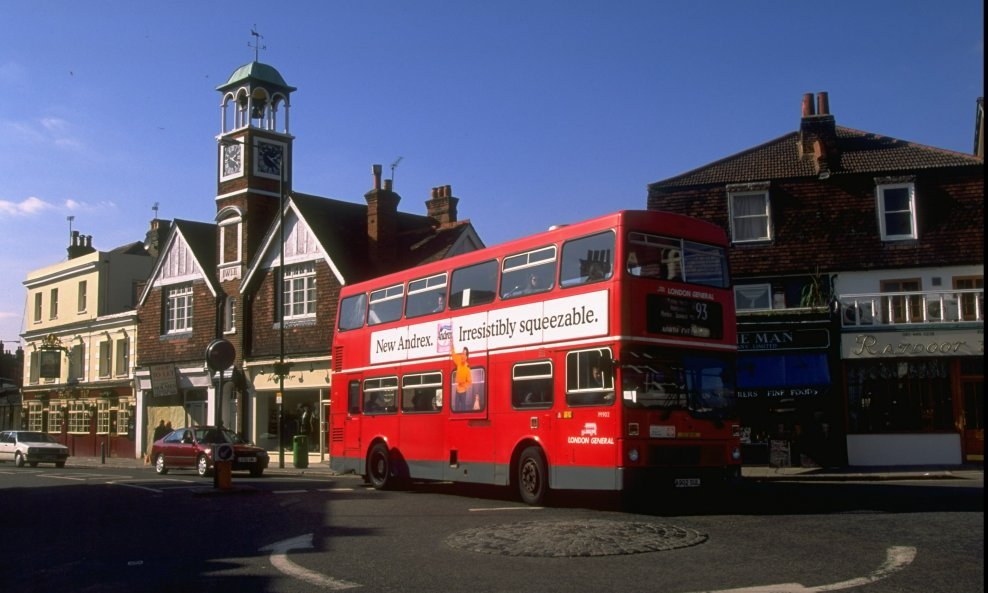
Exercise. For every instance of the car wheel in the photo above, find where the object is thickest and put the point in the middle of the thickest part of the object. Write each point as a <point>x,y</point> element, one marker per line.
<point>33,464</point>
<point>159,464</point>
<point>256,472</point>
<point>202,465</point>
<point>18,459</point>
<point>532,476</point>
<point>60,464</point>
<point>379,467</point>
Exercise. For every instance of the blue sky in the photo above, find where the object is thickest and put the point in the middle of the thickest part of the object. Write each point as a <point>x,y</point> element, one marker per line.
<point>536,112</point>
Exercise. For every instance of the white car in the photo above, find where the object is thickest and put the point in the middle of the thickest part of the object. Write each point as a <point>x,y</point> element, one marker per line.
<point>31,447</point>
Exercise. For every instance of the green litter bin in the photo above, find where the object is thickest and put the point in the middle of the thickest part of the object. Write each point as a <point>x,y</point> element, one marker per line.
<point>300,451</point>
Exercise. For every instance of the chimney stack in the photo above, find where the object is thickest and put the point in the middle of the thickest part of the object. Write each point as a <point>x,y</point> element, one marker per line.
<point>442,206</point>
<point>81,245</point>
<point>382,223</point>
<point>818,134</point>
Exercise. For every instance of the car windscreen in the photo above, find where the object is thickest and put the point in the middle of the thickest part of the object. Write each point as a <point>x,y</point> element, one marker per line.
<point>35,437</point>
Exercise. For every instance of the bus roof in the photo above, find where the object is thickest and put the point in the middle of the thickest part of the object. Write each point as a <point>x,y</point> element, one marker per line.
<point>675,225</point>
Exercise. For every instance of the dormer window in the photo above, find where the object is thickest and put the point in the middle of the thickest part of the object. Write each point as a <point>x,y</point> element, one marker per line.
<point>897,211</point>
<point>750,215</point>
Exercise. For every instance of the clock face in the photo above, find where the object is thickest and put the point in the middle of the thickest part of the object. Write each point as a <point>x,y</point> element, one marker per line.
<point>232,159</point>
<point>269,158</point>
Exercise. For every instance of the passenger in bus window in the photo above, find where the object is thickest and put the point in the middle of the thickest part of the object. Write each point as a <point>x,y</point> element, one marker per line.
<point>375,404</point>
<point>533,285</point>
<point>633,268</point>
<point>596,272</point>
<point>440,304</point>
<point>596,377</point>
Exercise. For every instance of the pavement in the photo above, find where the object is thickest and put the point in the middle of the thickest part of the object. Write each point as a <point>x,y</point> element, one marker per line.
<point>317,467</point>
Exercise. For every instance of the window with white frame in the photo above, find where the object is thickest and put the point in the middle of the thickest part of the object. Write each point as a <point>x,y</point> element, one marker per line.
<point>34,374</point>
<point>53,313</point>
<point>83,296</point>
<point>750,216</point>
<point>123,419</point>
<point>35,416</point>
<point>77,362</point>
<point>103,416</point>
<point>897,211</point>
<point>122,357</point>
<point>230,240</point>
<point>54,419</point>
<point>37,307</point>
<point>78,417</point>
<point>230,315</point>
<point>178,309</point>
<point>299,291</point>
<point>753,297</point>
<point>105,358</point>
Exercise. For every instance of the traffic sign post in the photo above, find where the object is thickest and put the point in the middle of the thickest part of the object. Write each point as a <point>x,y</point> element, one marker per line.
<point>222,465</point>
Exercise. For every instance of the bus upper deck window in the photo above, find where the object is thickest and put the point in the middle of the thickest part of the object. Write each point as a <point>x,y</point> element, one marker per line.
<point>587,259</point>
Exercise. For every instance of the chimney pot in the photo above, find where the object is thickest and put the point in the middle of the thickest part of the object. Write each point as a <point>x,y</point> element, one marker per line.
<point>807,104</point>
<point>387,184</point>
<point>447,191</point>
<point>377,176</point>
<point>822,104</point>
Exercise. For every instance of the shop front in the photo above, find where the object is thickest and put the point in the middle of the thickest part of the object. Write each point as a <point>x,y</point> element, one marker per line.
<point>790,414</point>
<point>914,397</point>
<point>300,409</point>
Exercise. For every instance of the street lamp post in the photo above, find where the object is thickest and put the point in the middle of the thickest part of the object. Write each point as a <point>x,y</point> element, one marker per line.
<point>282,371</point>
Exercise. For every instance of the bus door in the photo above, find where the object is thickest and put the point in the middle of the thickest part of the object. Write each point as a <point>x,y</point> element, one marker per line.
<point>469,439</point>
<point>423,424</point>
<point>351,422</point>
<point>589,436</point>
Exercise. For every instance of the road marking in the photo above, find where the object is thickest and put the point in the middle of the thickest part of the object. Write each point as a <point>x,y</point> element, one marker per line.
<point>83,477</point>
<point>482,510</point>
<point>337,489</point>
<point>288,491</point>
<point>279,559</point>
<point>896,558</point>
<point>136,486</point>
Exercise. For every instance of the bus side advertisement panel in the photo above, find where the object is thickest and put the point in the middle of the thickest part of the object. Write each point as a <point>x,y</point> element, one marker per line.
<point>578,316</point>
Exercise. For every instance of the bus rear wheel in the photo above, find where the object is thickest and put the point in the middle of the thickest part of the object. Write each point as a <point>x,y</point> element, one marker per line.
<point>379,470</point>
<point>532,476</point>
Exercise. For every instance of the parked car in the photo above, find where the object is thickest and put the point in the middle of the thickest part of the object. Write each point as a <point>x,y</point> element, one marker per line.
<point>192,448</point>
<point>32,448</point>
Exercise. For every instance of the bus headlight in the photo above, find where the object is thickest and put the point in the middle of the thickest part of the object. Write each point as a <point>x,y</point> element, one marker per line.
<point>633,454</point>
<point>736,454</point>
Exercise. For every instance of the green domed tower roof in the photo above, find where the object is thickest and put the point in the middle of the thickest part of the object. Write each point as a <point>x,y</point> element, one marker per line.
<point>257,72</point>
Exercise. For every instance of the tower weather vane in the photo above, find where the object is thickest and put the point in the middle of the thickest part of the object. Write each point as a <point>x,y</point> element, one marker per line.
<point>257,42</point>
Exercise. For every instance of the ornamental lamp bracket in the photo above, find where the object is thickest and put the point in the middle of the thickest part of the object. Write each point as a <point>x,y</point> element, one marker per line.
<point>51,342</point>
<point>282,369</point>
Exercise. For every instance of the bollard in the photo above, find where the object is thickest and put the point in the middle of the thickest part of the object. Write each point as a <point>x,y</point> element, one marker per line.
<point>102,452</point>
<point>221,472</point>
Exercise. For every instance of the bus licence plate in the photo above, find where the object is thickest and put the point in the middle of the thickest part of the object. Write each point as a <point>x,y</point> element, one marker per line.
<point>687,482</point>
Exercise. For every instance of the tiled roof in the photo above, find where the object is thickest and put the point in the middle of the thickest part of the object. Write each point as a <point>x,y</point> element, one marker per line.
<point>859,152</point>
<point>341,228</point>
<point>201,238</point>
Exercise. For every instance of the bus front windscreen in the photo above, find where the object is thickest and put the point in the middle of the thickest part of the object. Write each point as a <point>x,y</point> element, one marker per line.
<point>703,384</point>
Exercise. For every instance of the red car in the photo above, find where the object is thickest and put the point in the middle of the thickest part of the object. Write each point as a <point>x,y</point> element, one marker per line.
<point>192,447</point>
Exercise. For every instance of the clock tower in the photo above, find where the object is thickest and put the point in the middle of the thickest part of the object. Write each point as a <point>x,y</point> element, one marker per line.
<point>254,157</point>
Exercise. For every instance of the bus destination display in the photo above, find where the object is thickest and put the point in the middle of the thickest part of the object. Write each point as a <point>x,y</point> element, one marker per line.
<point>679,316</point>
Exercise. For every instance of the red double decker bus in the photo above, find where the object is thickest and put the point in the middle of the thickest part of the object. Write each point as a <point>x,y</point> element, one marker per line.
<point>591,356</point>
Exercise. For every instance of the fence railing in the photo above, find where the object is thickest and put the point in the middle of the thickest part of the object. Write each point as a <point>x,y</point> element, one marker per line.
<point>911,308</point>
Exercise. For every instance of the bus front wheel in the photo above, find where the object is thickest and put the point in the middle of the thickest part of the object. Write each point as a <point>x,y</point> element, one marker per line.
<point>532,476</point>
<point>379,467</point>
